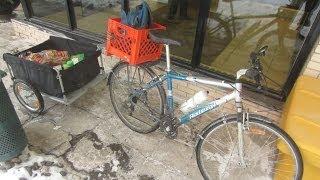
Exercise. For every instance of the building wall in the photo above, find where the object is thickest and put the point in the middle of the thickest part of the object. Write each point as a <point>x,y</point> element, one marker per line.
<point>312,66</point>
<point>35,33</point>
<point>182,90</point>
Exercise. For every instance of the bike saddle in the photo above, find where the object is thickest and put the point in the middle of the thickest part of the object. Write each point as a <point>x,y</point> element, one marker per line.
<point>159,40</point>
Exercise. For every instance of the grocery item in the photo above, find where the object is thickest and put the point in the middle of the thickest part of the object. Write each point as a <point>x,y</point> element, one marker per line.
<point>77,58</point>
<point>74,59</point>
<point>50,57</point>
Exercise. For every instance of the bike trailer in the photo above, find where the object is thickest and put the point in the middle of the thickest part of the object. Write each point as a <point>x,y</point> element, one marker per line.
<point>48,79</point>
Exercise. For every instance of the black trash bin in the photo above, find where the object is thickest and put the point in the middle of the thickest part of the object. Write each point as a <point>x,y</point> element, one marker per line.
<point>12,137</point>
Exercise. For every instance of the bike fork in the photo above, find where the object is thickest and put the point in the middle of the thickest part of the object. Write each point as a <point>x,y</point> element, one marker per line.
<point>240,144</point>
<point>243,124</point>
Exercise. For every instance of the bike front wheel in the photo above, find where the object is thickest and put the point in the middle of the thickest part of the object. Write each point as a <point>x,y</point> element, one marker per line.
<point>268,151</point>
<point>138,109</point>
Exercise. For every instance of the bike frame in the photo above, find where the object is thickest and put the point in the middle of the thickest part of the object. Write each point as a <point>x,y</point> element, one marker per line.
<point>170,75</point>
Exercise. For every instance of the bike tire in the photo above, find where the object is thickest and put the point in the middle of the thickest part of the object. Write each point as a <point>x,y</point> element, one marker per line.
<point>263,121</point>
<point>37,94</point>
<point>112,80</point>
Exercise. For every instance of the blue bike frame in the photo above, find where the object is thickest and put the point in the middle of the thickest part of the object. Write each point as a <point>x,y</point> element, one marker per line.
<point>170,75</point>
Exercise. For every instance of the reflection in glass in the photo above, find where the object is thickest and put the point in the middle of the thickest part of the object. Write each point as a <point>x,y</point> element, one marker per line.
<point>178,15</point>
<point>180,18</point>
<point>236,28</point>
<point>92,15</point>
<point>53,10</point>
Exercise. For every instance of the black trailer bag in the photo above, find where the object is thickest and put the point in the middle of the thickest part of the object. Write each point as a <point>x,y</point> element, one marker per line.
<point>44,77</point>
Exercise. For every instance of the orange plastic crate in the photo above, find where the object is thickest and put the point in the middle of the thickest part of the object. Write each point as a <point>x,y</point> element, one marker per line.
<point>130,44</point>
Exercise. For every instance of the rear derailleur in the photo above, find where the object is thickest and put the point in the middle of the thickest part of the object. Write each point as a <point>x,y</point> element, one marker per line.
<point>169,125</point>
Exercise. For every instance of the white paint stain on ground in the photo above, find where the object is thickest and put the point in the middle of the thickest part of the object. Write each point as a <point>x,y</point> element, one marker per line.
<point>19,171</point>
<point>228,164</point>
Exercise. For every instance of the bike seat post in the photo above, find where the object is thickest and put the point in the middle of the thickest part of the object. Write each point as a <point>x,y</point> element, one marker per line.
<point>168,58</point>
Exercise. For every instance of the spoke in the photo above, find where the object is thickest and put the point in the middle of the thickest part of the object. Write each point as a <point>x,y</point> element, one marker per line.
<point>141,120</point>
<point>267,156</point>
<point>219,139</point>
<point>252,169</point>
<point>128,73</point>
<point>141,113</point>
<point>254,159</point>
<point>265,146</point>
<point>140,82</point>
<point>253,172</point>
<point>281,171</point>
<point>228,160</point>
<point>265,143</point>
<point>276,162</point>
<point>122,86</point>
<point>221,151</point>
<point>229,133</point>
<point>282,176</point>
<point>118,79</point>
<point>134,73</point>
<point>152,111</point>
<point>282,160</point>
<point>128,76</point>
<point>218,142</point>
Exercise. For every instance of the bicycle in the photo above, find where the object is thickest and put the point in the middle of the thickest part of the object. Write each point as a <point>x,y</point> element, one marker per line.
<point>242,145</point>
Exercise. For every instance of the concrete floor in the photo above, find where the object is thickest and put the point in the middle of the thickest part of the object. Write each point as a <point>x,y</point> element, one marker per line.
<point>87,139</point>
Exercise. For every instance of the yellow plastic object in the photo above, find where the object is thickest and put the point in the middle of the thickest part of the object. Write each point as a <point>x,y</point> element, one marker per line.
<point>301,120</point>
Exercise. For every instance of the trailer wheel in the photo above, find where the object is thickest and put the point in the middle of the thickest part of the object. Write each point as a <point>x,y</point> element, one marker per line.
<point>28,96</point>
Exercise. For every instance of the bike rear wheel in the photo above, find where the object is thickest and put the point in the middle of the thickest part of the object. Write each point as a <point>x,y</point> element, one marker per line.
<point>269,152</point>
<point>138,109</point>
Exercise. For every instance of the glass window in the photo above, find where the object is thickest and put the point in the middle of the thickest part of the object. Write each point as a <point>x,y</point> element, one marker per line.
<point>180,17</point>
<point>235,28</point>
<point>92,15</point>
<point>53,10</point>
